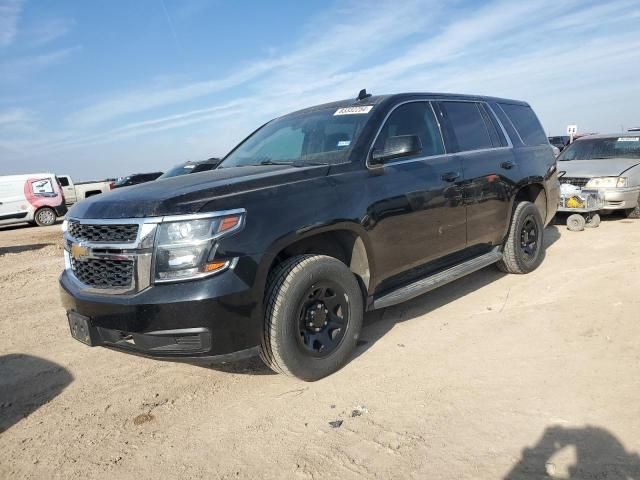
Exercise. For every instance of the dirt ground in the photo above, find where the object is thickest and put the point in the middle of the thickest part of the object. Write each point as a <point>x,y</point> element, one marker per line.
<point>493,376</point>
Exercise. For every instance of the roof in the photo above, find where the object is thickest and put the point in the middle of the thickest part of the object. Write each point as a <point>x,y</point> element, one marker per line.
<point>26,176</point>
<point>608,135</point>
<point>396,97</point>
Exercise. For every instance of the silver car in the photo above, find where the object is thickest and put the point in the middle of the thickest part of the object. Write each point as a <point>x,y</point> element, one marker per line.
<point>609,163</point>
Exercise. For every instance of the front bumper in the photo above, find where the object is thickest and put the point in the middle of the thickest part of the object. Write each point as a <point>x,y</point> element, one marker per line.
<point>215,316</point>
<point>620,198</point>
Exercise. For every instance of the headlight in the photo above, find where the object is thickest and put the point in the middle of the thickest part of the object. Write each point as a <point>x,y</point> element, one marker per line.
<point>65,226</point>
<point>186,249</point>
<point>607,182</point>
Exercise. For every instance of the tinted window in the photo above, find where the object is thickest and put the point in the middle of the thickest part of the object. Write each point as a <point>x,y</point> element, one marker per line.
<point>415,118</point>
<point>526,123</point>
<point>64,181</point>
<point>495,132</point>
<point>469,128</point>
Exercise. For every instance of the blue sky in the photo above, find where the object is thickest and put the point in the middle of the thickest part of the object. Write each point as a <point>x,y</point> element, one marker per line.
<point>101,89</point>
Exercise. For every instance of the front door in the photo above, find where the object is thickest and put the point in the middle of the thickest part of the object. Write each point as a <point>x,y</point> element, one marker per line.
<point>417,214</point>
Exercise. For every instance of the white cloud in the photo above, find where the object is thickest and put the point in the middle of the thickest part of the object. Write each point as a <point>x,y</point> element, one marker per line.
<point>46,31</point>
<point>578,67</point>
<point>10,11</point>
<point>18,69</point>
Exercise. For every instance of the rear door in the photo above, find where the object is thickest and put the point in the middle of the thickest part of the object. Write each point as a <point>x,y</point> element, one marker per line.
<point>489,168</point>
<point>416,215</point>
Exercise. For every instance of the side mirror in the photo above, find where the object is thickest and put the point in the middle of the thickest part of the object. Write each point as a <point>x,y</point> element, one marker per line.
<point>396,147</point>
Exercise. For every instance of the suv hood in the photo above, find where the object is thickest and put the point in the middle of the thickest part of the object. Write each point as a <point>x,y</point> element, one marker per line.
<point>610,167</point>
<point>189,193</point>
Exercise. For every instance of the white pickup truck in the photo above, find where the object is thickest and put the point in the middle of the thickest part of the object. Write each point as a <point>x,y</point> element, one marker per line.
<point>74,192</point>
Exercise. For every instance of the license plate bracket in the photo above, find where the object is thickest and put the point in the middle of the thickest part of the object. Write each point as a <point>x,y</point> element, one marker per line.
<point>80,327</point>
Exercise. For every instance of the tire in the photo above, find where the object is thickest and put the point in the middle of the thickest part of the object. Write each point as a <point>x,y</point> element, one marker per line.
<point>593,222</point>
<point>576,222</point>
<point>296,341</point>
<point>633,212</point>
<point>523,249</point>
<point>45,217</point>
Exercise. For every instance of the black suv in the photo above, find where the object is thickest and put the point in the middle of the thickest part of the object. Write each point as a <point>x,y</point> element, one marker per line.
<point>314,218</point>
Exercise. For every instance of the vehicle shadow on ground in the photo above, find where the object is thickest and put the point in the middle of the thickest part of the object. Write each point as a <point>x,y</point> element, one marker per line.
<point>20,226</point>
<point>27,383</point>
<point>23,248</point>
<point>377,323</point>
<point>597,454</point>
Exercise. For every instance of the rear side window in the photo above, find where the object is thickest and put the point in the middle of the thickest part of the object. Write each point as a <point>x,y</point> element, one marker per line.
<point>415,118</point>
<point>468,125</point>
<point>526,124</point>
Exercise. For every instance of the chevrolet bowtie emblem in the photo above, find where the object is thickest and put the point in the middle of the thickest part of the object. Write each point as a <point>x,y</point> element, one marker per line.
<point>79,251</point>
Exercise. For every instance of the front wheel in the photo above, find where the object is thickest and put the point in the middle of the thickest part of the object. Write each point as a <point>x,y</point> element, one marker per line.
<point>313,317</point>
<point>45,217</point>
<point>523,249</point>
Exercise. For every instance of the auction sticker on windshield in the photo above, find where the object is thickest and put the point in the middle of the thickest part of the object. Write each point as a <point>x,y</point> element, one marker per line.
<point>629,139</point>
<point>354,110</point>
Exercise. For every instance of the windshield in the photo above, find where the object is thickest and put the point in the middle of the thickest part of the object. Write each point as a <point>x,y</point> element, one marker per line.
<point>312,138</point>
<point>187,168</point>
<point>122,181</point>
<point>602,148</point>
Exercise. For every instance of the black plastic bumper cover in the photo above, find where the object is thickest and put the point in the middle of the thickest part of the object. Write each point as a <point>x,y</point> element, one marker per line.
<point>204,318</point>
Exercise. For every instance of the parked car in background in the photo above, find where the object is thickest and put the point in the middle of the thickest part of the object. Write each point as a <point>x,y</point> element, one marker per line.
<point>191,167</point>
<point>136,179</point>
<point>314,218</point>
<point>560,141</point>
<point>35,198</point>
<point>74,192</point>
<point>609,163</point>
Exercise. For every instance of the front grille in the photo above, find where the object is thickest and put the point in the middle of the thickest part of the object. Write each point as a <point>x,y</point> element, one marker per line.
<point>575,181</point>
<point>86,232</point>
<point>99,273</point>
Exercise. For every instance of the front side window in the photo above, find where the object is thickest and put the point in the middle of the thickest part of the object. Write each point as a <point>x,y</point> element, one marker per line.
<point>526,123</point>
<point>602,148</point>
<point>415,118</point>
<point>467,123</point>
<point>323,136</point>
<point>64,181</point>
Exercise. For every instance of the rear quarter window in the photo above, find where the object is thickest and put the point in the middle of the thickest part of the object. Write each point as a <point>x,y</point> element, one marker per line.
<point>526,124</point>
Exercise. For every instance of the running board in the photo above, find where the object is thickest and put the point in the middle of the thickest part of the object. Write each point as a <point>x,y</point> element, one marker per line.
<point>431,282</point>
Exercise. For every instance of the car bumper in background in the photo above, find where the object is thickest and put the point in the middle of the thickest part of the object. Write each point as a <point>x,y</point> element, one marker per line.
<point>620,198</point>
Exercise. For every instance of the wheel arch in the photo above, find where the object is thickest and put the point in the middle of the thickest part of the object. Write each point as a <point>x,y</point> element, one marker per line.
<point>346,241</point>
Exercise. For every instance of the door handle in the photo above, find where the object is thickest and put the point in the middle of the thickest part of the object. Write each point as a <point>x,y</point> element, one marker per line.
<point>450,176</point>
<point>508,165</point>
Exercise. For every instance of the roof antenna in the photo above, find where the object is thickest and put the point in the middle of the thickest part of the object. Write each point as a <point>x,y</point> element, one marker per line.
<point>363,94</point>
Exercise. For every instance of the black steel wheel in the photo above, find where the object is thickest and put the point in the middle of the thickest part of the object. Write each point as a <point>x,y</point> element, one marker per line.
<point>323,318</point>
<point>313,317</point>
<point>523,249</point>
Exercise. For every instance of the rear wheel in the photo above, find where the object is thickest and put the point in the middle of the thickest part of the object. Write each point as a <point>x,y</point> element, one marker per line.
<point>523,248</point>
<point>313,317</point>
<point>45,216</point>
